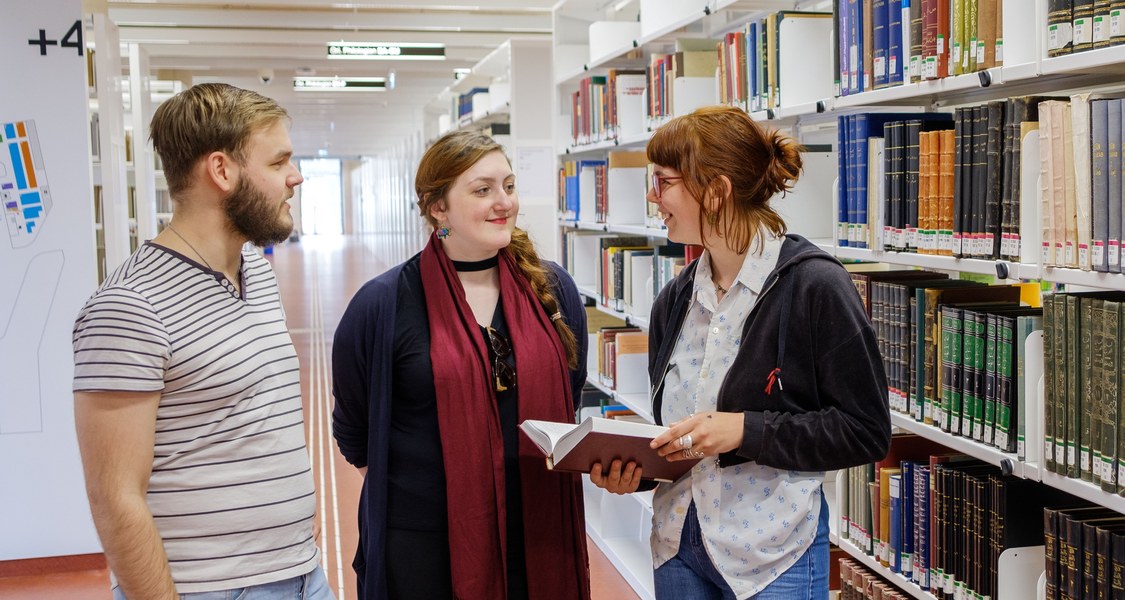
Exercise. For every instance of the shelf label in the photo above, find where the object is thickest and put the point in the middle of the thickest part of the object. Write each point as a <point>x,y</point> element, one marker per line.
<point>71,39</point>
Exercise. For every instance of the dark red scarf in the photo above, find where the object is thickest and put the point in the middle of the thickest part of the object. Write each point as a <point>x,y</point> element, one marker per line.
<point>472,445</point>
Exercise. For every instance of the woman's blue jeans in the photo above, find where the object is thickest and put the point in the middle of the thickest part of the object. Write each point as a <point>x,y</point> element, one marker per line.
<point>691,574</point>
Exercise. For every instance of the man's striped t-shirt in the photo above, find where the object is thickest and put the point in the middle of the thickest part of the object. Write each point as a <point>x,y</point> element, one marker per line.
<point>231,488</point>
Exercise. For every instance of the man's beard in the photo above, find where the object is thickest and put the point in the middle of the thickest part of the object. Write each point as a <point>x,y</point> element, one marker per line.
<point>254,216</point>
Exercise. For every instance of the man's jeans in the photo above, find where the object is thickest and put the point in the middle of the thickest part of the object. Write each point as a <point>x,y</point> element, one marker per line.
<point>313,586</point>
<point>691,574</point>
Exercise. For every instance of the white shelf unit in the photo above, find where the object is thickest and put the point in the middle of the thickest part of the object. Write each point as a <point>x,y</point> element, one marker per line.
<point>620,527</point>
<point>1026,71</point>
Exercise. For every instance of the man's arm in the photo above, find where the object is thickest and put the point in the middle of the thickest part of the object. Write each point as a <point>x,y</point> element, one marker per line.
<point>116,432</point>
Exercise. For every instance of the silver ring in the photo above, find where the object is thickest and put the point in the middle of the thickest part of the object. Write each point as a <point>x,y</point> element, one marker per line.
<point>687,453</point>
<point>695,454</point>
<point>685,441</point>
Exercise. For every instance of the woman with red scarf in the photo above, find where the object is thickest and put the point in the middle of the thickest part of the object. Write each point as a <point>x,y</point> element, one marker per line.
<point>435,363</point>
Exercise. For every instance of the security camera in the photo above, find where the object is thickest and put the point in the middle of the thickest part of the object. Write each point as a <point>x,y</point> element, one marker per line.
<point>265,75</point>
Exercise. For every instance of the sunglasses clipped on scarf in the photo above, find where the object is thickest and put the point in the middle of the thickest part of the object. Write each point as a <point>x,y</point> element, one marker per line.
<point>503,375</point>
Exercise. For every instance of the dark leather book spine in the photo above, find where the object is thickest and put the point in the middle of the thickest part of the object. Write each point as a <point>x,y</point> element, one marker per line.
<point>960,167</point>
<point>1117,566</point>
<point>1060,27</point>
<point>980,179</point>
<point>993,177</point>
<point>1051,553</point>
<point>1007,181</point>
<point>912,162</point>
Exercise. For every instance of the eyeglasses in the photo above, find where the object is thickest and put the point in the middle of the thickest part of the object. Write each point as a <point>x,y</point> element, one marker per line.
<point>659,181</point>
<point>503,376</point>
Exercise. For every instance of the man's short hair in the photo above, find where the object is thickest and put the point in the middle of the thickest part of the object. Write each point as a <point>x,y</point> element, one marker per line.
<point>206,118</point>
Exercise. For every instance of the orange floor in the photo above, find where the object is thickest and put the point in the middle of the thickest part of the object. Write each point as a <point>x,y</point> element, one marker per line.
<point>317,277</point>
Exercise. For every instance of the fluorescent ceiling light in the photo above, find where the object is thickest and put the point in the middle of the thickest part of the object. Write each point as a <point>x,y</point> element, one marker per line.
<point>378,51</point>
<point>339,84</point>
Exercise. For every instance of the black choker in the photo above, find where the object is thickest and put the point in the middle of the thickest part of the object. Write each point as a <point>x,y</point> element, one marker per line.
<point>479,265</point>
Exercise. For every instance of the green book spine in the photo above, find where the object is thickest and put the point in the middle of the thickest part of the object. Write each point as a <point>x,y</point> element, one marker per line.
<point>1049,384</point>
<point>976,418</point>
<point>958,37</point>
<point>1073,364</point>
<point>1095,391</point>
<point>969,396</point>
<point>1108,382</point>
<point>957,366</point>
<point>1111,380</point>
<point>946,369</point>
<point>969,60</point>
<point>993,380</point>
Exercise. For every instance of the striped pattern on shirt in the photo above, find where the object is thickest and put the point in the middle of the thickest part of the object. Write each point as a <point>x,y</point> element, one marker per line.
<point>231,488</point>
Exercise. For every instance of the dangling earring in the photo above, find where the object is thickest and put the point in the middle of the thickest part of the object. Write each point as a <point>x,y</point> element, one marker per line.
<point>713,218</point>
<point>442,231</point>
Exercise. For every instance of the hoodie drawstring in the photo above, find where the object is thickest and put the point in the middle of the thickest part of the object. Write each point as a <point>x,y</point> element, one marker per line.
<point>782,333</point>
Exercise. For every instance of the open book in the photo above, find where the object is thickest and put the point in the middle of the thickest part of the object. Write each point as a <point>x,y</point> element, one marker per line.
<point>571,447</point>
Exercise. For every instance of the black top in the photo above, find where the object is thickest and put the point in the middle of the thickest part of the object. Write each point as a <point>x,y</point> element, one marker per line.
<point>416,491</point>
<point>831,410</point>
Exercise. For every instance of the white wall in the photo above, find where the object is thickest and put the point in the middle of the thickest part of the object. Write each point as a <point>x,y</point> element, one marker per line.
<point>47,274</point>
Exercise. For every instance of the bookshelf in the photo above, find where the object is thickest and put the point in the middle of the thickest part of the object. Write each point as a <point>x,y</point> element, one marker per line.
<point>1026,70</point>
<point>108,145</point>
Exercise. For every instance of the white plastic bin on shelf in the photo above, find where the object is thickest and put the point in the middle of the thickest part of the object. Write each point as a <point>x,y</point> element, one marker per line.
<point>612,36</point>
<point>804,59</point>
<point>499,95</point>
<point>804,207</point>
<point>690,93</point>
<point>481,104</point>
<point>658,15</point>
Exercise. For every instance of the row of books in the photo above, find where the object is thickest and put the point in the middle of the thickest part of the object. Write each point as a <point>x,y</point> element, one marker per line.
<point>612,190</point>
<point>750,60</point>
<point>980,351</point>
<point>862,169</point>
<point>1080,25</point>
<point>1084,553</point>
<point>911,185</point>
<point>936,183</point>
<point>608,107</point>
<point>905,310</point>
<point>1083,347</point>
<point>942,519</point>
<point>622,359</point>
<point>625,272</point>
<point>1081,172</point>
<point>882,43</point>
<point>680,81</point>
<point>465,102</point>
<point>858,583</point>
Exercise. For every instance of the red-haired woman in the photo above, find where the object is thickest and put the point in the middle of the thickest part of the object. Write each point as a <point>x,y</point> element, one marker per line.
<point>435,362</point>
<point>763,362</point>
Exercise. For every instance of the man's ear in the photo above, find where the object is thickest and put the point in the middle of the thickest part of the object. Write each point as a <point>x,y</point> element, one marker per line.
<point>221,170</point>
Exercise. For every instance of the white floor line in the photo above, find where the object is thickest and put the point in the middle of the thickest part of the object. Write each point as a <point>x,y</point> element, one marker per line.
<point>315,402</point>
<point>320,392</point>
